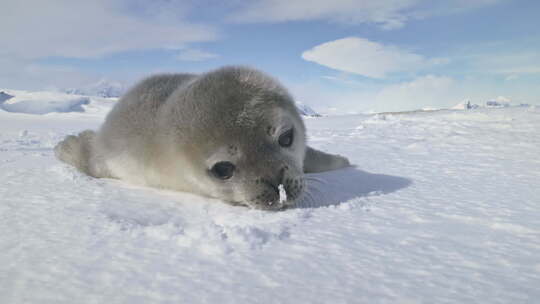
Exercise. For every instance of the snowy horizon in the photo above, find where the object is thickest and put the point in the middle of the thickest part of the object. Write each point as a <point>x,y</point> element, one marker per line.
<point>355,55</point>
<point>72,100</point>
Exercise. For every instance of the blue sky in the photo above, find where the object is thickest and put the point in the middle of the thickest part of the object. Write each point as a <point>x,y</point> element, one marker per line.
<point>337,56</point>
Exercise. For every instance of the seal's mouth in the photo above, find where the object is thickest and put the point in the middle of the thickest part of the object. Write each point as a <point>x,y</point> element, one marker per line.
<point>283,200</point>
<point>268,195</point>
<point>280,203</point>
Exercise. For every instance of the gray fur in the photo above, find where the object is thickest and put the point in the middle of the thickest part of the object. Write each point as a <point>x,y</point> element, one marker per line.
<point>169,130</point>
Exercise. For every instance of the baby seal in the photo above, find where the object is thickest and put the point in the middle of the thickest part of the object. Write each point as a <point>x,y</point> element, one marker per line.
<point>233,134</point>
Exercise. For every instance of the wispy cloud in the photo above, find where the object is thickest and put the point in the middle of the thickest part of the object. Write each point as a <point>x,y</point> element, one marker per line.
<point>33,30</point>
<point>425,91</point>
<point>195,55</point>
<point>84,29</point>
<point>515,64</point>
<point>367,58</point>
<point>16,74</point>
<point>430,91</point>
<point>388,14</point>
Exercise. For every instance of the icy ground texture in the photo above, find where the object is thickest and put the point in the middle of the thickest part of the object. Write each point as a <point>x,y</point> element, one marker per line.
<point>443,207</point>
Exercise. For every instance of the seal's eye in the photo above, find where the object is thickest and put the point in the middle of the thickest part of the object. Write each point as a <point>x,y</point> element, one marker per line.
<point>286,139</point>
<point>223,170</point>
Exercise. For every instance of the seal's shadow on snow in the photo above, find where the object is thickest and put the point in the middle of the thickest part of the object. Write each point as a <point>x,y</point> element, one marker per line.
<point>334,187</point>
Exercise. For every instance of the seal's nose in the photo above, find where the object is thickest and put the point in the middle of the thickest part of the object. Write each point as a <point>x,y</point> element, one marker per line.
<point>279,180</point>
<point>281,175</point>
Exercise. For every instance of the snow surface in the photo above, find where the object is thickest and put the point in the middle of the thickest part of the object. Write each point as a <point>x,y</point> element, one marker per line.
<point>443,207</point>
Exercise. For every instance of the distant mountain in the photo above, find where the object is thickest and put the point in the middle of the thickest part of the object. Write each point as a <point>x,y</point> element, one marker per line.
<point>102,88</point>
<point>465,105</point>
<point>498,102</point>
<point>306,110</point>
<point>4,96</point>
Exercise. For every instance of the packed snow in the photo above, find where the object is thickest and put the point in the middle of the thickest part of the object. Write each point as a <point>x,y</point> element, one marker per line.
<point>441,207</point>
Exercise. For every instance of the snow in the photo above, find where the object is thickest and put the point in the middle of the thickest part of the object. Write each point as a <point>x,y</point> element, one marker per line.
<point>442,206</point>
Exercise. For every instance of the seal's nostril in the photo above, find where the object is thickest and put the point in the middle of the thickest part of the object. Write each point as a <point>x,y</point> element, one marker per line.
<point>281,175</point>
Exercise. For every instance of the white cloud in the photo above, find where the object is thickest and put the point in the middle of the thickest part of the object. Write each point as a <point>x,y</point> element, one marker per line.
<point>32,30</point>
<point>508,64</point>
<point>423,92</point>
<point>88,29</point>
<point>343,79</point>
<point>502,99</point>
<point>432,8</point>
<point>367,58</point>
<point>511,77</point>
<point>385,12</point>
<point>388,14</point>
<point>194,55</point>
<point>430,91</point>
<point>16,74</point>
<point>426,91</point>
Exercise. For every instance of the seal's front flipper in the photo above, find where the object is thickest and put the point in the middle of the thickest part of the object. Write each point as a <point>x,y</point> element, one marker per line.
<point>318,161</point>
<point>78,151</point>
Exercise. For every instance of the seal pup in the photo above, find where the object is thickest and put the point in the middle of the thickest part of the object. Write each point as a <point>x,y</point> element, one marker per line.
<point>233,134</point>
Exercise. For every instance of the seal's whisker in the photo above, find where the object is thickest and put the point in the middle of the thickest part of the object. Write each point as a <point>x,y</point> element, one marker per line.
<point>315,179</point>
<point>310,200</point>
<point>316,193</point>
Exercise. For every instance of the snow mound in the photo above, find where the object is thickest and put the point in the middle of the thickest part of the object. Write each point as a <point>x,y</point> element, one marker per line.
<point>42,102</point>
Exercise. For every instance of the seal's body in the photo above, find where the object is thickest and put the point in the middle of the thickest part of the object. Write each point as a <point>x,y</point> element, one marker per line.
<point>233,133</point>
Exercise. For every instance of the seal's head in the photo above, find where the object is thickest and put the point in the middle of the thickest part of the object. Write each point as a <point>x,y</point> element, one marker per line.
<point>240,131</point>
